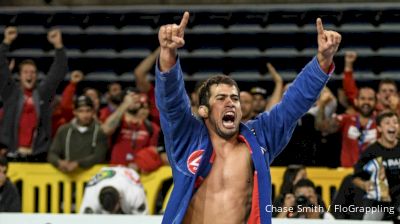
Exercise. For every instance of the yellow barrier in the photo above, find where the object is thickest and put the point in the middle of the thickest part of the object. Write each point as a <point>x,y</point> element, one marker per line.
<point>325,178</point>
<point>50,183</point>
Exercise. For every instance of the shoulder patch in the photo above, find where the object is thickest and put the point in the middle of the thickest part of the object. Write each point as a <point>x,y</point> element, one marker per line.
<point>193,162</point>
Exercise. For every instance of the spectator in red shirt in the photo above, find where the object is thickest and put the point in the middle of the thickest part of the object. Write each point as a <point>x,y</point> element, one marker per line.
<point>26,128</point>
<point>142,84</point>
<point>114,98</point>
<point>63,112</point>
<point>145,86</point>
<point>358,130</point>
<point>387,96</point>
<point>134,136</point>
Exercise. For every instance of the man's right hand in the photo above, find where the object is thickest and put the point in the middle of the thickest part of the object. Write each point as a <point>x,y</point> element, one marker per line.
<point>55,38</point>
<point>171,37</point>
<point>275,75</point>
<point>349,59</point>
<point>328,44</point>
<point>10,33</point>
<point>63,165</point>
<point>368,186</point>
<point>76,76</point>
<point>129,99</point>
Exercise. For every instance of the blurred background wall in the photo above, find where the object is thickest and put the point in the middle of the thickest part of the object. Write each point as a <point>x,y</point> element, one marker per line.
<point>134,2</point>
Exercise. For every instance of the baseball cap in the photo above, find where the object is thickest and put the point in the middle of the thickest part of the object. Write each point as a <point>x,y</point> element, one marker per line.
<point>83,101</point>
<point>258,90</point>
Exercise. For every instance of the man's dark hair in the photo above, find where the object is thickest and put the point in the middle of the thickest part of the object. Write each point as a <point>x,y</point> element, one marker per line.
<point>94,89</point>
<point>384,115</point>
<point>4,162</point>
<point>303,183</point>
<point>387,81</point>
<point>205,89</point>
<point>109,198</point>
<point>365,88</point>
<point>113,83</point>
<point>26,62</point>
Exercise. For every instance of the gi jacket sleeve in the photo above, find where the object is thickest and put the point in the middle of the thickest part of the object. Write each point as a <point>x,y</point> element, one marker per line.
<point>181,129</point>
<point>274,129</point>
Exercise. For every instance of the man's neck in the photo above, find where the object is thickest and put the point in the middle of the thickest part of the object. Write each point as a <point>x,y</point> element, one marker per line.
<point>387,144</point>
<point>132,118</point>
<point>222,146</point>
<point>364,120</point>
<point>79,124</point>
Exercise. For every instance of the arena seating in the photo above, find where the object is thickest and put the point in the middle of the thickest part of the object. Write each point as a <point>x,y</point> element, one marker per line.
<point>108,42</point>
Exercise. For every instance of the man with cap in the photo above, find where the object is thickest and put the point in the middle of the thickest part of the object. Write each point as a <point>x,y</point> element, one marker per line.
<point>259,99</point>
<point>134,137</point>
<point>81,142</point>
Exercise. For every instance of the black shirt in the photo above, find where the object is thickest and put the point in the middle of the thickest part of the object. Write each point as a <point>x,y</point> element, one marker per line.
<point>390,159</point>
<point>10,200</point>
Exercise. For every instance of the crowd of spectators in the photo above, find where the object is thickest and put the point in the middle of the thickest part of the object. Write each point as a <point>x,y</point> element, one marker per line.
<point>75,132</point>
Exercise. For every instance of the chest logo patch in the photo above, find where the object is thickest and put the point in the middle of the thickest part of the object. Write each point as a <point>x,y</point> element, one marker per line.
<point>193,162</point>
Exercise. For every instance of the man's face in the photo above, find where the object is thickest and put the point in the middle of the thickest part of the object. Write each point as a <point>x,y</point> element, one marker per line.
<point>389,129</point>
<point>385,91</point>
<point>28,76</point>
<point>92,94</point>
<point>246,103</point>
<point>84,115</point>
<point>365,102</point>
<point>307,192</point>
<point>259,103</point>
<point>139,101</point>
<point>225,112</point>
<point>115,90</point>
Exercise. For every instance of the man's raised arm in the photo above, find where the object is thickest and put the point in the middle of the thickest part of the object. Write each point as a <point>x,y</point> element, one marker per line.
<point>7,84</point>
<point>177,122</point>
<point>171,38</point>
<point>277,126</point>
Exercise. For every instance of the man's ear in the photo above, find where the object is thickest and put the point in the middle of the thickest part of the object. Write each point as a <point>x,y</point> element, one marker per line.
<point>203,111</point>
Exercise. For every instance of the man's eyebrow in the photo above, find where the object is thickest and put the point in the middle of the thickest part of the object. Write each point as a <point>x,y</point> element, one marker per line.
<point>225,95</point>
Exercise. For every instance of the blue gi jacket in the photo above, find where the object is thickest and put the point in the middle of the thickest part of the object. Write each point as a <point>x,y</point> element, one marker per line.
<point>189,147</point>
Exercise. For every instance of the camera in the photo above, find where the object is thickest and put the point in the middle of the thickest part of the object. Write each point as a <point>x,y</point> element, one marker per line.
<point>302,201</point>
<point>300,208</point>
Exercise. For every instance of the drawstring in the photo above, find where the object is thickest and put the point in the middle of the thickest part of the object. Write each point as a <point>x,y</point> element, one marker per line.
<point>67,140</point>
<point>96,129</point>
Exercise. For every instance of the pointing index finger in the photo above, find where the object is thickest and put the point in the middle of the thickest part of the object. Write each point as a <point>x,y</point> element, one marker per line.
<point>184,21</point>
<point>320,27</point>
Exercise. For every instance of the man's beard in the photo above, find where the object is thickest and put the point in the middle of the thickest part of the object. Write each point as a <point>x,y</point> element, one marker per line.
<point>366,113</point>
<point>220,133</point>
<point>117,99</point>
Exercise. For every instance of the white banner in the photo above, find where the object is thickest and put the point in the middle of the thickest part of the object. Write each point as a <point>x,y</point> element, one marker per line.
<point>23,218</point>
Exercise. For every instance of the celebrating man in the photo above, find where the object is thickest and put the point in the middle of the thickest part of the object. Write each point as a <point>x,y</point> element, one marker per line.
<point>221,166</point>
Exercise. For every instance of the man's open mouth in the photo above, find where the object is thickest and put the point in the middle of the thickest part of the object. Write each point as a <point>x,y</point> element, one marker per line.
<point>228,120</point>
<point>392,131</point>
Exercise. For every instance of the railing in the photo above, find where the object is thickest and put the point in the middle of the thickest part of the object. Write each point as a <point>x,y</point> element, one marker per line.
<point>47,190</point>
